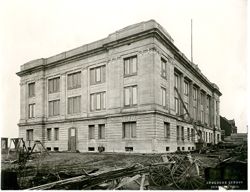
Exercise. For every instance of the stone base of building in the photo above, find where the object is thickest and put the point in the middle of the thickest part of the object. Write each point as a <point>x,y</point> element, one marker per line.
<point>149,137</point>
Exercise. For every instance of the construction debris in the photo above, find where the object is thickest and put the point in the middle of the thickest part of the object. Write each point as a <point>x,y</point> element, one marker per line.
<point>124,171</point>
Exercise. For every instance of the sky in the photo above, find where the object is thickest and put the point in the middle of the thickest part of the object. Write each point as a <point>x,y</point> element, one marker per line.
<point>38,29</point>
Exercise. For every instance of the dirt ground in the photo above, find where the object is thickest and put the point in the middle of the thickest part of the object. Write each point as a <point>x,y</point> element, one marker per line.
<point>42,165</point>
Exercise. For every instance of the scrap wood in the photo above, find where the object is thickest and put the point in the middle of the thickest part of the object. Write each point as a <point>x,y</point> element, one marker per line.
<point>127,180</point>
<point>91,180</point>
<point>142,182</point>
<point>86,181</point>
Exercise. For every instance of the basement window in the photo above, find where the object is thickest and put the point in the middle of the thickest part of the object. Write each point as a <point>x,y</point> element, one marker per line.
<point>56,148</point>
<point>101,149</point>
<point>128,148</point>
<point>49,148</point>
<point>91,149</point>
<point>167,148</point>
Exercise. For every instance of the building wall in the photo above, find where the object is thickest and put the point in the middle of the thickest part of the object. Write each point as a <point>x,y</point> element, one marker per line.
<point>149,113</point>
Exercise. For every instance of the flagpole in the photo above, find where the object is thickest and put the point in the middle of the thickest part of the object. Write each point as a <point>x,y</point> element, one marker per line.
<point>192,40</point>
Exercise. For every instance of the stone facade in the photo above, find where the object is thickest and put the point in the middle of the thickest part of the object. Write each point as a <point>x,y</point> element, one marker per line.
<point>151,45</point>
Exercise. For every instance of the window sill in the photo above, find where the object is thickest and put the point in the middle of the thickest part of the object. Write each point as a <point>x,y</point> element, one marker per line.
<point>128,139</point>
<point>74,88</point>
<point>130,75</point>
<point>54,92</point>
<point>129,106</point>
<point>97,83</point>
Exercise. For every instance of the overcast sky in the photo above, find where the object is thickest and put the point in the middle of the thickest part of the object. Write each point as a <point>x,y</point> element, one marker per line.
<point>39,29</point>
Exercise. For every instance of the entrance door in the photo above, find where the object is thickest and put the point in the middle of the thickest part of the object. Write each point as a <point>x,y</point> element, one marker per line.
<point>72,139</point>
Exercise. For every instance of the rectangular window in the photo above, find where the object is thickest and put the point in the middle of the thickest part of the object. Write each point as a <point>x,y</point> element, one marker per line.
<point>188,134</point>
<point>98,75</point>
<point>176,105</point>
<point>163,97</point>
<point>74,80</point>
<point>91,149</point>
<point>167,130</point>
<point>177,132</point>
<point>54,85</point>
<point>101,131</point>
<point>32,110</point>
<point>49,134</point>
<point>31,89</point>
<point>29,135</point>
<point>192,135</point>
<point>194,93</point>
<point>56,134</point>
<point>195,113</point>
<point>98,101</point>
<point>163,68</point>
<point>130,66</point>
<point>91,132</point>
<point>182,133</point>
<point>208,110</point>
<point>129,130</point>
<point>202,116</point>
<point>74,105</point>
<point>186,88</point>
<point>177,81</point>
<point>54,108</point>
<point>130,96</point>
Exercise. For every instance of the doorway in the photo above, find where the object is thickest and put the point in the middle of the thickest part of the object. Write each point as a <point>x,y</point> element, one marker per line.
<point>72,139</point>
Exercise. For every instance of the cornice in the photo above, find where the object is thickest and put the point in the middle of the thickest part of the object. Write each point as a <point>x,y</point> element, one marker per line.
<point>106,45</point>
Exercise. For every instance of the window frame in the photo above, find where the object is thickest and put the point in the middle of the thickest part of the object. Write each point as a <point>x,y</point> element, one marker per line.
<point>195,93</point>
<point>73,100</point>
<point>91,132</point>
<point>131,96</point>
<point>54,110</point>
<point>186,87</point>
<point>188,134</point>
<point>128,66</point>
<point>31,111</point>
<point>163,71</point>
<point>167,130</point>
<point>93,101</point>
<point>178,132</point>
<point>182,133</point>
<point>30,135</point>
<point>31,89</point>
<point>74,80</point>
<point>93,75</point>
<point>177,106</point>
<point>101,131</point>
<point>55,85</point>
<point>163,97</point>
<point>49,134</point>
<point>56,134</point>
<point>132,127</point>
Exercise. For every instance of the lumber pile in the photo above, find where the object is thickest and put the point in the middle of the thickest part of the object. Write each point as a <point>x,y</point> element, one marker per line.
<point>87,181</point>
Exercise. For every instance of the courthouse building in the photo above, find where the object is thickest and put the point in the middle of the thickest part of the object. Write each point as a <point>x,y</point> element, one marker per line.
<point>118,94</point>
